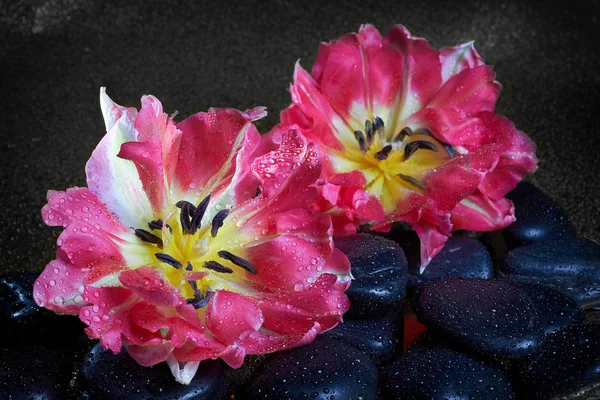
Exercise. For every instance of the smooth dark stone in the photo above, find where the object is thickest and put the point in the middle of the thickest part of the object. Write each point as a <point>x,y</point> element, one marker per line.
<point>569,363</point>
<point>572,265</point>
<point>461,257</point>
<point>105,375</point>
<point>33,372</point>
<point>23,321</point>
<point>431,373</point>
<point>492,316</point>
<point>379,268</point>
<point>557,308</point>
<point>323,370</point>
<point>379,338</point>
<point>539,218</point>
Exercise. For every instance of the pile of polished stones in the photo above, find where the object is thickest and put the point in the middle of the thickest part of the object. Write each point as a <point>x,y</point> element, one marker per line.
<point>501,315</point>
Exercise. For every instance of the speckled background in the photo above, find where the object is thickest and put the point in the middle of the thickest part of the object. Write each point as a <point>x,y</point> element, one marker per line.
<point>55,55</point>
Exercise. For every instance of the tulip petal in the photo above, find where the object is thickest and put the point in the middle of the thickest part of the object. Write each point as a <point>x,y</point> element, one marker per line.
<point>60,286</point>
<point>210,144</point>
<point>296,312</point>
<point>232,317</point>
<point>150,286</point>
<point>114,180</point>
<point>482,214</point>
<point>471,90</point>
<point>458,58</point>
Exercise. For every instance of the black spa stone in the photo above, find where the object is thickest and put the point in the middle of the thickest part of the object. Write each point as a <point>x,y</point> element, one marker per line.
<point>33,372</point>
<point>539,218</point>
<point>105,375</point>
<point>571,264</point>
<point>323,370</point>
<point>437,373</point>
<point>23,321</point>
<point>569,363</point>
<point>379,338</point>
<point>461,256</point>
<point>492,316</point>
<point>379,268</point>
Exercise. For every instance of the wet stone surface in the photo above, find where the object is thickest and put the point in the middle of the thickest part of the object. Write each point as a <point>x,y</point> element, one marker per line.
<point>325,369</point>
<point>22,320</point>
<point>30,371</point>
<point>539,218</point>
<point>492,316</point>
<point>461,257</point>
<point>105,375</point>
<point>568,364</point>
<point>379,268</point>
<point>379,338</point>
<point>439,373</point>
<point>572,265</point>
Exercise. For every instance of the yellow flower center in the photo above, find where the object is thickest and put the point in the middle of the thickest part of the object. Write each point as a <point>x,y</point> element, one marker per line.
<point>198,257</point>
<point>393,163</point>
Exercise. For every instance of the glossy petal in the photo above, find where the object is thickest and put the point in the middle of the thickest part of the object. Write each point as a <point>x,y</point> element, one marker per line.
<point>480,213</point>
<point>114,180</point>
<point>60,286</point>
<point>232,317</point>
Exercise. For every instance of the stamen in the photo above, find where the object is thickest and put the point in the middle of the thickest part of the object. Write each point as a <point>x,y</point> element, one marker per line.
<point>369,131</point>
<point>239,261</point>
<point>423,131</point>
<point>378,127</point>
<point>194,286</point>
<point>412,181</point>
<point>449,149</point>
<point>182,203</point>
<point>184,216</point>
<point>360,138</point>
<point>168,260</point>
<point>199,301</point>
<point>217,267</point>
<point>406,131</point>
<point>156,224</point>
<point>217,222</point>
<point>383,153</point>
<point>149,237</point>
<point>199,214</point>
<point>412,147</point>
<point>172,116</point>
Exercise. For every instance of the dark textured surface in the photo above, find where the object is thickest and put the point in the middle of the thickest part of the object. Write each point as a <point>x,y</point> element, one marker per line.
<point>54,56</point>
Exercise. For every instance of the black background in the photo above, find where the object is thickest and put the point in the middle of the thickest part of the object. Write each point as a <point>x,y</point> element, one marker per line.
<point>55,55</point>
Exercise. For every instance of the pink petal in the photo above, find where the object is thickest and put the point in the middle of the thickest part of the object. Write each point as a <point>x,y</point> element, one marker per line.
<point>345,79</point>
<point>116,181</point>
<point>472,90</point>
<point>210,144</point>
<point>263,342</point>
<point>286,174</point>
<point>296,312</point>
<point>458,58</point>
<point>480,213</point>
<point>107,317</point>
<point>60,286</point>
<point>516,156</point>
<point>432,240</point>
<point>150,286</point>
<point>420,74</point>
<point>147,356</point>
<point>231,317</point>
<point>81,208</point>
<point>308,98</point>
